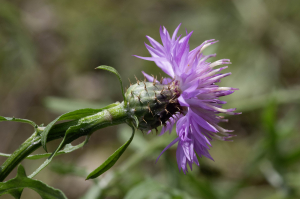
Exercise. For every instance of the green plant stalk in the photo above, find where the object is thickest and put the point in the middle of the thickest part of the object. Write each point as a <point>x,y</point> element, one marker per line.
<point>108,117</point>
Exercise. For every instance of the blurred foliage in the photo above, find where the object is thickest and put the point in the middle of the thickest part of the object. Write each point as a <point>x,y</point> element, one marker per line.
<point>48,52</point>
<point>16,185</point>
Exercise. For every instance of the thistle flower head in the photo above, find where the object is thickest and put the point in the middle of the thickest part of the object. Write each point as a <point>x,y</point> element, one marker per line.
<point>152,103</point>
<point>193,93</point>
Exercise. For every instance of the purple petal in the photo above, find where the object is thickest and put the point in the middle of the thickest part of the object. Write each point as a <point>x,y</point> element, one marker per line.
<point>199,136</point>
<point>181,159</point>
<point>196,160</point>
<point>154,51</point>
<point>203,151</point>
<point>155,44</point>
<point>166,81</point>
<point>163,130</point>
<point>202,122</point>
<point>175,32</point>
<point>182,101</point>
<point>186,150</point>
<point>148,77</point>
<point>151,58</point>
<point>171,144</point>
<point>190,90</point>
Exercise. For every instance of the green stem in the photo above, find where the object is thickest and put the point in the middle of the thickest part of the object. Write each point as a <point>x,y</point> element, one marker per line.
<point>108,117</point>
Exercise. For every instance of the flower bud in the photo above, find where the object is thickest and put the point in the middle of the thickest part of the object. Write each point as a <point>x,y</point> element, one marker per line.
<point>152,103</point>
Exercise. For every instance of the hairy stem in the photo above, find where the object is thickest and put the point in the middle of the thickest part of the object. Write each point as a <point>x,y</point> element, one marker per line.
<point>108,117</point>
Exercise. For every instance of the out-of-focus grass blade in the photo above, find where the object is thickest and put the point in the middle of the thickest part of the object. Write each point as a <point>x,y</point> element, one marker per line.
<point>68,169</point>
<point>62,105</point>
<point>280,96</point>
<point>150,189</point>
<point>144,190</point>
<point>93,193</point>
<point>202,186</point>
<point>292,157</point>
<point>269,117</point>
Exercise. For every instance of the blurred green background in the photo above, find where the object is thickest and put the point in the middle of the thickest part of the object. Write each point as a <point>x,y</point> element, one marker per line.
<point>48,52</point>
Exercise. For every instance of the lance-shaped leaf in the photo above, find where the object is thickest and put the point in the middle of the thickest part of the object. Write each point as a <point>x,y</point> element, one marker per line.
<point>69,131</point>
<point>17,184</point>
<point>73,115</point>
<point>111,69</point>
<point>13,119</point>
<point>111,160</point>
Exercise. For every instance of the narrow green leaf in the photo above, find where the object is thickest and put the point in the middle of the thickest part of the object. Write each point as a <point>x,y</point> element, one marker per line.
<point>111,160</point>
<point>111,69</point>
<point>68,148</point>
<point>68,133</point>
<point>73,115</point>
<point>17,120</point>
<point>21,181</point>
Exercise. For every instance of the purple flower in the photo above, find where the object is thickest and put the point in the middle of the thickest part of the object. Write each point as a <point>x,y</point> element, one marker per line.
<point>196,79</point>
